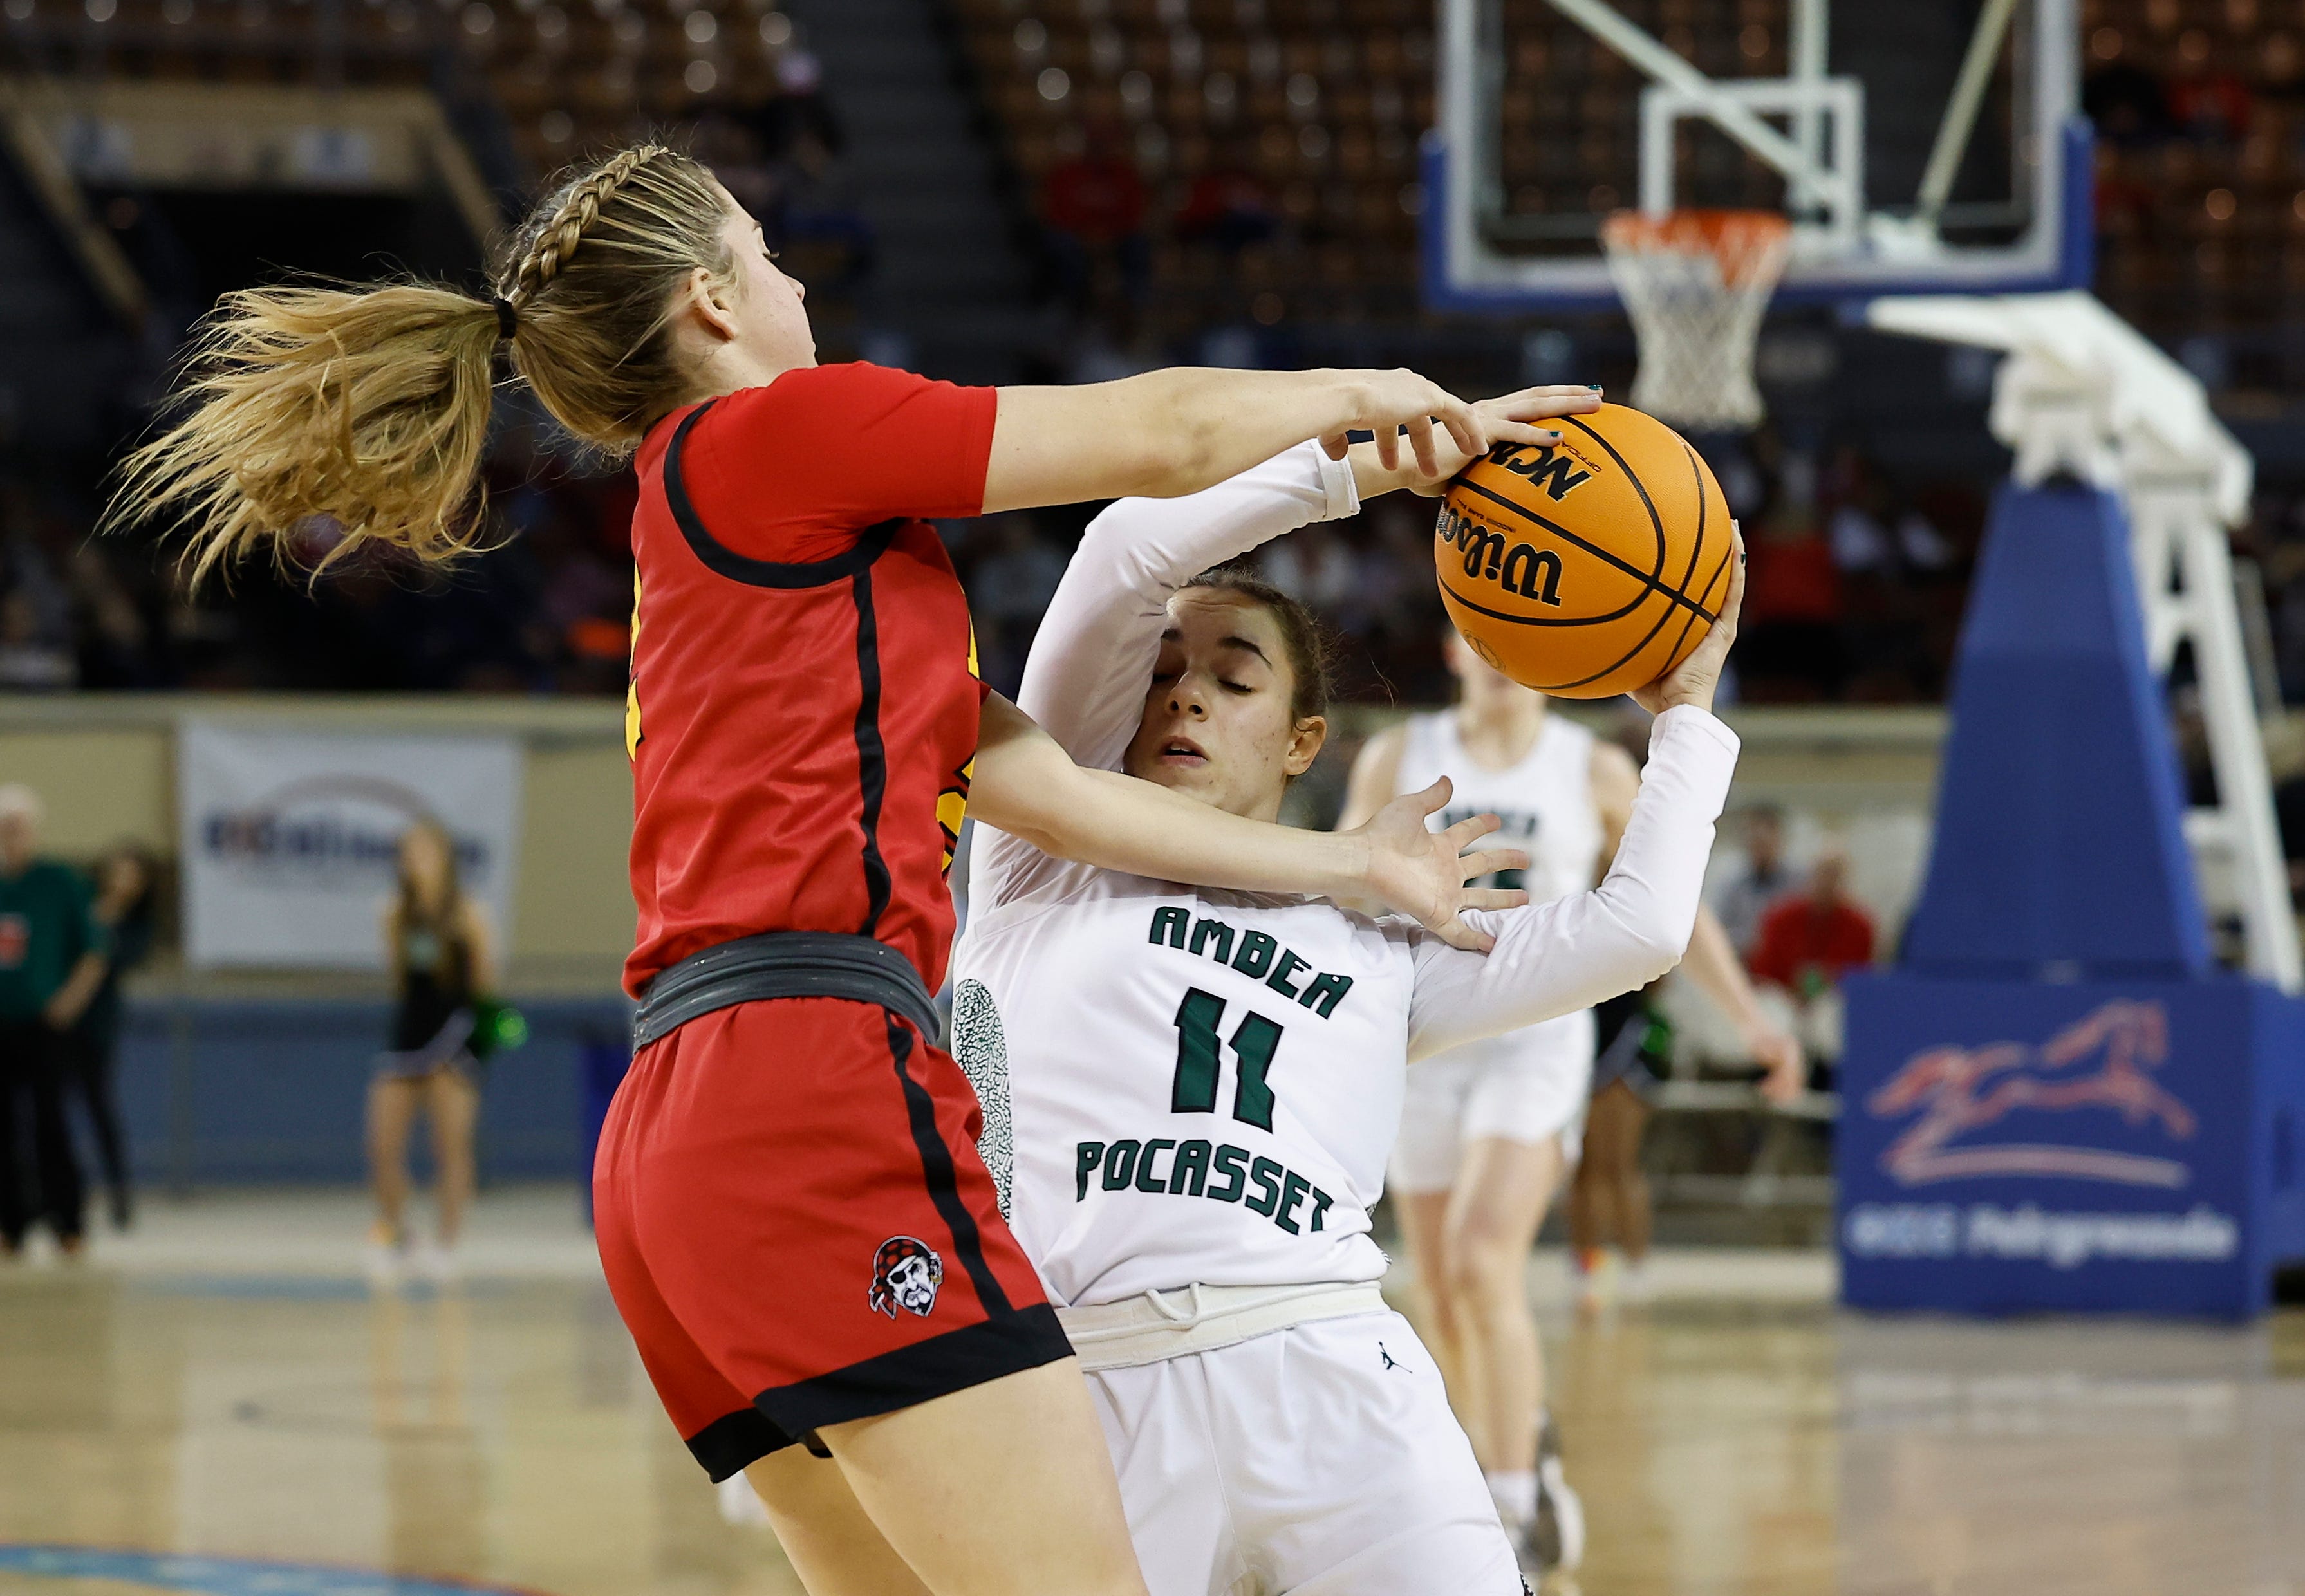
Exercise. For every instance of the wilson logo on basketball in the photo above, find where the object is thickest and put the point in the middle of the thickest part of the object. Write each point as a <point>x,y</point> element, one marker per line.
<point>1590,566</point>
<point>1520,568</point>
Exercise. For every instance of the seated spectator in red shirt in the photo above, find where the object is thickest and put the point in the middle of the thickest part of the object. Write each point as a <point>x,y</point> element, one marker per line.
<point>1790,647</point>
<point>1094,205</point>
<point>1228,205</point>
<point>2215,106</point>
<point>1808,939</point>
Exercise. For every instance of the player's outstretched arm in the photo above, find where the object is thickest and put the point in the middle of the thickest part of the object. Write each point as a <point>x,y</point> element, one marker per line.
<point>1575,951</point>
<point>1177,431</point>
<point>1027,785</point>
<point>1636,925</point>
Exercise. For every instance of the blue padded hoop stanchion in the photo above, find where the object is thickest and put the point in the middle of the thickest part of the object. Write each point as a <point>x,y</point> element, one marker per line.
<point>2059,832</point>
<point>2056,1102</point>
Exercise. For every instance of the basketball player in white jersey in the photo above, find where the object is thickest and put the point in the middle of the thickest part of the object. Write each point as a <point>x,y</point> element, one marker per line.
<point>1483,1127</point>
<point>1201,1087</point>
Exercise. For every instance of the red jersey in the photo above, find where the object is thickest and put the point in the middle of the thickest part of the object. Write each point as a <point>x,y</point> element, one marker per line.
<point>1798,939</point>
<point>803,709</point>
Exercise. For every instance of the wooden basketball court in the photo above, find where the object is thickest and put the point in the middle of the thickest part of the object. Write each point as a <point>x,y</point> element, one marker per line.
<point>222,1394</point>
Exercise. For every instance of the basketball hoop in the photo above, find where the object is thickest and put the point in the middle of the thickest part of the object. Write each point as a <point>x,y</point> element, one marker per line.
<point>1695,282</point>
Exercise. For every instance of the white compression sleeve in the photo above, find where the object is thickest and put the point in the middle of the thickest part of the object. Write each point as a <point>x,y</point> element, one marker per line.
<point>1092,657</point>
<point>1555,958</point>
<point>1084,680</point>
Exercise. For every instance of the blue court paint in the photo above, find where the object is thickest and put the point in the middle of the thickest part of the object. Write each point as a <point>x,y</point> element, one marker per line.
<point>226,1576</point>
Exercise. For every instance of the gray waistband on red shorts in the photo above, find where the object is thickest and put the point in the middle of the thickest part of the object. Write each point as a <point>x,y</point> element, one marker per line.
<point>784,964</point>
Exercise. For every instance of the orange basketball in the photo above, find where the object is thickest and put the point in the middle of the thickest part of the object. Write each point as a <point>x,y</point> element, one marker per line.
<point>1589,567</point>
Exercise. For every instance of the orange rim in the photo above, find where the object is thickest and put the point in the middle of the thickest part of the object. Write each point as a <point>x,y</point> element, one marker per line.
<point>1749,245</point>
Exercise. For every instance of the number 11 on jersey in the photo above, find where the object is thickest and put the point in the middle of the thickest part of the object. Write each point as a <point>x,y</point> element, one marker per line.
<point>1253,1043</point>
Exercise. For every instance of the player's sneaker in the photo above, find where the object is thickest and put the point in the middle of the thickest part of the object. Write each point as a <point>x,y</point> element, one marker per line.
<point>1590,1266</point>
<point>1556,1535</point>
<point>435,1263</point>
<point>1558,1528</point>
<point>382,1259</point>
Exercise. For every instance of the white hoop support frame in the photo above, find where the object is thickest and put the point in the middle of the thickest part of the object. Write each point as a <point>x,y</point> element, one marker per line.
<point>1696,284</point>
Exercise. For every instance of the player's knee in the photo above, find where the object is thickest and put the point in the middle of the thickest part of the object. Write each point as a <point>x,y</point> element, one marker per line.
<point>1483,1265</point>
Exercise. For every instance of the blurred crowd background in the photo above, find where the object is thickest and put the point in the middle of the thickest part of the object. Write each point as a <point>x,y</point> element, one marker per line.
<point>1129,183</point>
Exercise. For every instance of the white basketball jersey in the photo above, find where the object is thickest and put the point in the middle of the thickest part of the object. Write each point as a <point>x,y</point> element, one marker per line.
<point>1201,1085</point>
<point>1546,801</point>
<point>1185,1085</point>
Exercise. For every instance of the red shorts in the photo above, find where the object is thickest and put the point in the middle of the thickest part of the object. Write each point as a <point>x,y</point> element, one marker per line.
<point>798,1231</point>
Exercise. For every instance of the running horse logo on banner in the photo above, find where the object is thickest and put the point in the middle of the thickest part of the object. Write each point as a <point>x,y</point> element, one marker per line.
<point>1960,1091</point>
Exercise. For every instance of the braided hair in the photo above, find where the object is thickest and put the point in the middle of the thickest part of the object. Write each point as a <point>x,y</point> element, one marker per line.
<point>367,408</point>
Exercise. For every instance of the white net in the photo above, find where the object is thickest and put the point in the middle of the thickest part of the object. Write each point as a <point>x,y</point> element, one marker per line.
<point>1696,284</point>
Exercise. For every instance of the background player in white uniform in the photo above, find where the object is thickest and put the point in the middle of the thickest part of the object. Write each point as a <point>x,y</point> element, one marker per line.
<point>1484,1127</point>
<point>1202,1087</point>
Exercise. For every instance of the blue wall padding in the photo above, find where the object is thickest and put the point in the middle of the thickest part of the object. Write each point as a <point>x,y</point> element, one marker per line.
<point>262,1092</point>
<point>2212,1097</point>
<point>2060,843</point>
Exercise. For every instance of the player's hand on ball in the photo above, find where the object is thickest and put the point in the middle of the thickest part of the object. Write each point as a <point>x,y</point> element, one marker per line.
<point>1424,874</point>
<point>1511,418</point>
<point>1394,404</point>
<point>1699,676</point>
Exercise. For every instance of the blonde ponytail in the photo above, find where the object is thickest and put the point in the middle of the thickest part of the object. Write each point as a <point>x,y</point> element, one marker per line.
<point>369,408</point>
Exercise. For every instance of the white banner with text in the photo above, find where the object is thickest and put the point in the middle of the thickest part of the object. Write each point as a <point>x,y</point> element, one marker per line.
<point>291,839</point>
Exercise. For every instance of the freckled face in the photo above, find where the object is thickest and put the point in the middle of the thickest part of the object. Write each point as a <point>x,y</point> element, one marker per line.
<point>770,320</point>
<point>1217,724</point>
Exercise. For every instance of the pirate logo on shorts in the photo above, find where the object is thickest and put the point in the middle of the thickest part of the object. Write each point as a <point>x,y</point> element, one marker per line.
<point>906,1274</point>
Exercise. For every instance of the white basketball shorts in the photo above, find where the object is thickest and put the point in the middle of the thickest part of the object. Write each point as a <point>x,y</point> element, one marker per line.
<point>1319,1460</point>
<point>1525,1086</point>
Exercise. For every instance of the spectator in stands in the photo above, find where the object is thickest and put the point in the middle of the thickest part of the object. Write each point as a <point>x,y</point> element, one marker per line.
<point>1790,651</point>
<point>1008,591</point>
<point>115,643</point>
<point>1228,205</point>
<point>1315,567</point>
<point>816,204</point>
<point>1745,895</point>
<point>52,958</point>
<point>1093,205</point>
<point>798,106</point>
<point>2212,108</point>
<point>1876,554</point>
<point>2128,103</point>
<point>33,657</point>
<point>1808,941</point>
<point>124,884</point>
<point>735,149</point>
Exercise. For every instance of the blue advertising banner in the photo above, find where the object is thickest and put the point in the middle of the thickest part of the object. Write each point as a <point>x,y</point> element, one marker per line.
<point>2013,1146</point>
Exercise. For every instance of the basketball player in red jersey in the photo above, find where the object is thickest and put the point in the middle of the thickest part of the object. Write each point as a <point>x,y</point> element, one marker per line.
<point>791,1212</point>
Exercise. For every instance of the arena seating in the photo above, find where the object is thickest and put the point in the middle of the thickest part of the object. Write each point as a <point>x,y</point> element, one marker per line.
<point>569,76</point>
<point>2201,200</point>
<point>1278,138</point>
<point>1320,104</point>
